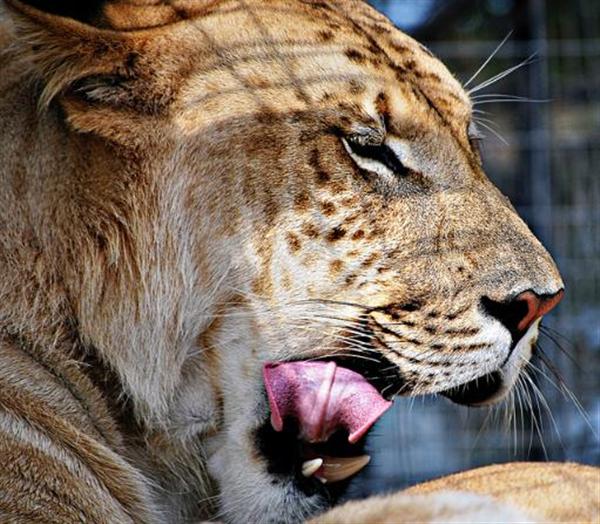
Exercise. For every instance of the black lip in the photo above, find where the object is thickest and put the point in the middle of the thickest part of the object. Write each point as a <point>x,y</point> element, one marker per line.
<point>380,372</point>
<point>476,391</point>
<point>284,453</point>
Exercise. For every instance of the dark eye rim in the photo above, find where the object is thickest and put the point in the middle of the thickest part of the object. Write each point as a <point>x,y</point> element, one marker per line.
<point>381,153</point>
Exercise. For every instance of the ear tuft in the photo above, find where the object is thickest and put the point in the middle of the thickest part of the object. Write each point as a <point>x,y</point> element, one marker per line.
<point>101,88</point>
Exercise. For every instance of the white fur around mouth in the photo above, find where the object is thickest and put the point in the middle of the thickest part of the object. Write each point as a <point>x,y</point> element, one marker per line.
<point>518,359</point>
<point>491,387</point>
<point>508,373</point>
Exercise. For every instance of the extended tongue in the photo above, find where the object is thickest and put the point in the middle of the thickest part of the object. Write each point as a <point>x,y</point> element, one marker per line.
<point>322,397</point>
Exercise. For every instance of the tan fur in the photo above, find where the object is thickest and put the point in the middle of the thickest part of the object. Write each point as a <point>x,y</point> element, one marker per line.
<point>177,207</point>
<point>537,492</point>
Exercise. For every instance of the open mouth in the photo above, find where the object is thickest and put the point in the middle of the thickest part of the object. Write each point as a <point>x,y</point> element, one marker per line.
<point>320,414</point>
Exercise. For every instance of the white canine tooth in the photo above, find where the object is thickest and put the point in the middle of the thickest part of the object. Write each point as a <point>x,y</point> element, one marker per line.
<point>340,468</point>
<point>310,467</point>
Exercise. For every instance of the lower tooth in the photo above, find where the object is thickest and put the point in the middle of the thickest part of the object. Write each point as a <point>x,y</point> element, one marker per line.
<point>310,467</point>
<point>336,469</point>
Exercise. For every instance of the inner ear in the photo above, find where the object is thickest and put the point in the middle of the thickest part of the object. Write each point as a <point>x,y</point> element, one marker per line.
<point>75,62</point>
<point>87,11</point>
<point>112,89</point>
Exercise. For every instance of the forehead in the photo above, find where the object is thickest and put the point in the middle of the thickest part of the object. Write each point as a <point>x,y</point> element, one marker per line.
<point>275,56</point>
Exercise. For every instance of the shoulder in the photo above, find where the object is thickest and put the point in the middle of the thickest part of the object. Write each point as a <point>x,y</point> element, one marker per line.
<point>59,453</point>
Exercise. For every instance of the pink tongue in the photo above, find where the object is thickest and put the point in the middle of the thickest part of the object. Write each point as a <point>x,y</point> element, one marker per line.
<point>322,397</point>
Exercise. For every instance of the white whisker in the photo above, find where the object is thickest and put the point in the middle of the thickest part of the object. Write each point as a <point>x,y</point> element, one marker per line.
<point>564,390</point>
<point>501,75</point>
<point>512,101</point>
<point>487,60</point>
<point>500,96</point>
<point>493,131</point>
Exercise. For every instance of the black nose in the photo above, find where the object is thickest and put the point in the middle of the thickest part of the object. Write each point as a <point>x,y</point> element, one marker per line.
<point>519,313</point>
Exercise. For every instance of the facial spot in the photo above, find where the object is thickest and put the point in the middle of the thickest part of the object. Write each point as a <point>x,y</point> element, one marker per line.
<point>310,230</point>
<point>358,234</point>
<point>356,88</point>
<point>370,260</point>
<point>322,178</point>
<point>350,279</point>
<point>336,233</point>
<point>350,201</point>
<point>335,267</point>
<point>355,55</point>
<point>328,208</point>
<point>301,202</point>
<point>294,242</point>
<point>325,35</point>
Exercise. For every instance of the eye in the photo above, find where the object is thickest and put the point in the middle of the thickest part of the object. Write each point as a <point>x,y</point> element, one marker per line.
<point>377,158</point>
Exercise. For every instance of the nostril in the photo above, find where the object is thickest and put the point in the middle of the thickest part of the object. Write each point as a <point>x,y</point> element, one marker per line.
<point>537,306</point>
<point>510,313</point>
<point>519,313</point>
<point>533,303</point>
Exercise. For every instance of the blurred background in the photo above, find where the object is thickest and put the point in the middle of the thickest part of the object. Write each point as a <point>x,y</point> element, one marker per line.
<point>546,157</point>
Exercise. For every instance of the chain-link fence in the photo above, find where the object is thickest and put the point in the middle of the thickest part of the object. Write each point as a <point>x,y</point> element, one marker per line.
<point>546,157</point>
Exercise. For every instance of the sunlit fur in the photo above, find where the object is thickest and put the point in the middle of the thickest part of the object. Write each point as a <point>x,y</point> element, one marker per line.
<point>177,206</point>
<point>514,492</point>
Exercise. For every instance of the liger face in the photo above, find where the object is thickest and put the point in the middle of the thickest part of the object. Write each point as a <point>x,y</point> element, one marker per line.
<point>277,220</point>
<point>372,257</point>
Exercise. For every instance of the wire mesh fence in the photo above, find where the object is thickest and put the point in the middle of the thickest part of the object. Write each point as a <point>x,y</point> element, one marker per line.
<point>545,156</point>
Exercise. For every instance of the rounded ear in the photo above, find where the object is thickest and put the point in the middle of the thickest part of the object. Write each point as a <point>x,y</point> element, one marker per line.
<point>82,62</point>
<point>61,52</point>
<point>100,57</point>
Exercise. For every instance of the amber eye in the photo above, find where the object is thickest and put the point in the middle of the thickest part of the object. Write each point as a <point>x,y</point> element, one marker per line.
<point>377,158</point>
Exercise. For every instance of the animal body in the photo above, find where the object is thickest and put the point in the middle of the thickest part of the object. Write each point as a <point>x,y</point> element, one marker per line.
<point>517,492</point>
<point>206,206</point>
